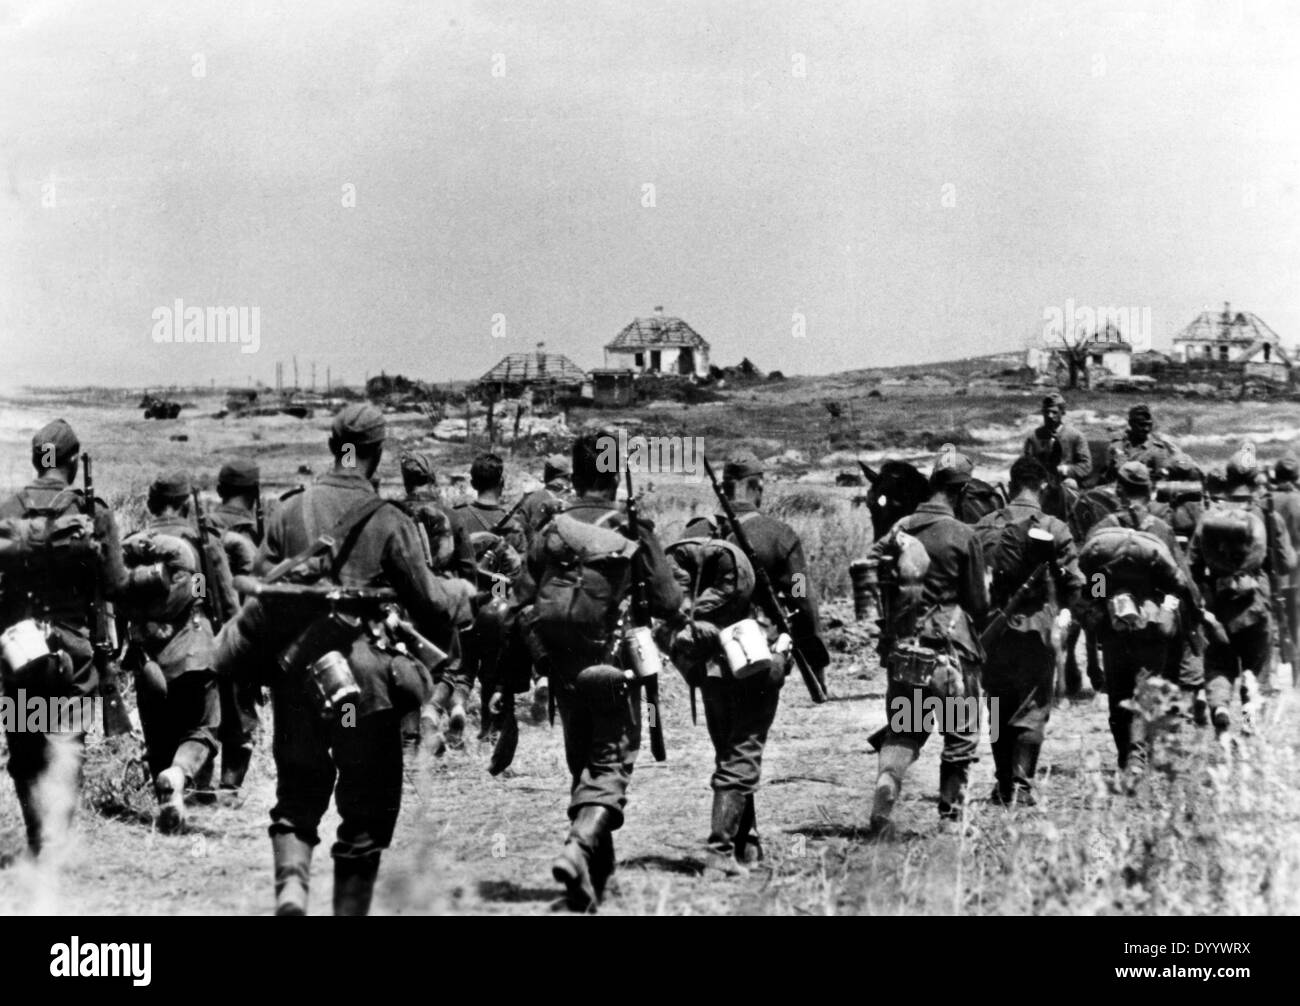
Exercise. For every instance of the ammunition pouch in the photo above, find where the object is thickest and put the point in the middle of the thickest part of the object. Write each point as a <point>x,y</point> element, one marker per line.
<point>912,664</point>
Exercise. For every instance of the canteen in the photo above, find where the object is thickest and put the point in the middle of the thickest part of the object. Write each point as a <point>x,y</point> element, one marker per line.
<point>642,654</point>
<point>745,646</point>
<point>334,681</point>
<point>22,645</point>
<point>862,576</point>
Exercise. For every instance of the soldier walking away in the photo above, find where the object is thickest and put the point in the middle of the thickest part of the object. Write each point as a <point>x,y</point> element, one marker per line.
<point>171,646</point>
<point>739,711</point>
<point>1020,667</point>
<point>935,598</point>
<point>55,561</point>
<point>1286,503</point>
<point>1063,453</point>
<point>1139,596</point>
<point>238,523</point>
<point>499,543</point>
<point>1235,549</point>
<point>339,686</point>
<point>540,505</point>
<point>1141,443</point>
<point>447,550</point>
<point>583,567</point>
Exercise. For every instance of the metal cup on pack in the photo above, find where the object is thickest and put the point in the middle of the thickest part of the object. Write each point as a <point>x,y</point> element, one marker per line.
<point>745,646</point>
<point>643,655</point>
<point>334,681</point>
<point>23,644</point>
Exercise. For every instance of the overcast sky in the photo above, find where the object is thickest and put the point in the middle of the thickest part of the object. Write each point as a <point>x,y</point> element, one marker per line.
<point>938,177</point>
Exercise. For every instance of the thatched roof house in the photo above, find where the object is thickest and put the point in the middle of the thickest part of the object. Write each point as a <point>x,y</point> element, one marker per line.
<point>1229,337</point>
<point>539,371</point>
<point>659,345</point>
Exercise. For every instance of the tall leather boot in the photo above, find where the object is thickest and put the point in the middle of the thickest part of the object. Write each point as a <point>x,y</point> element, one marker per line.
<point>720,860</point>
<point>952,789</point>
<point>749,847</point>
<point>602,868</point>
<point>1023,767</point>
<point>572,867</point>
<point>354,883</point>
<point>292,873</point>
<point>1003,771</point>
<point>31,815</point>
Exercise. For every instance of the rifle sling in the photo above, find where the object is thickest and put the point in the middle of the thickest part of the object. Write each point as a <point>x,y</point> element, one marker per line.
<point>348,528</point>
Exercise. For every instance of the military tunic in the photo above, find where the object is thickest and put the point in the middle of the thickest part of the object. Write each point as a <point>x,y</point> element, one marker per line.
<point>63,599</point>
<point>602,734</point>
<point>1020,667</point>
<point>364,758</point>
<point>1131,658</point>
<point>239,700</point>
<point>1157,452</point>
<point>954,588</point>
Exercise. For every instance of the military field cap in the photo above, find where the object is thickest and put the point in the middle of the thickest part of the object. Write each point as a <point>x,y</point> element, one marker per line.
<point>1216,481</point>
<point>741,465</point>
<point>1242,466</point>
<point>1287,469</point>
<point>172,484</point>
<point>417,464</point>
<point>360,423</point>
<point>239,473</point>
<point>1053,398</point>
<point>951,466</point>
<point>1142,411</point>
<point>1135,475</point>
<point>59,435</point>
<point>556,465</point>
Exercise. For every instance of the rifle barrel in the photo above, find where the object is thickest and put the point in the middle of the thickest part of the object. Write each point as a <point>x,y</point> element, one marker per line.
<point>815,689</point>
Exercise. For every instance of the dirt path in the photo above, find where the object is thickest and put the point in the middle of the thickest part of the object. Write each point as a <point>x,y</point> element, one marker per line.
<point>468,843</point>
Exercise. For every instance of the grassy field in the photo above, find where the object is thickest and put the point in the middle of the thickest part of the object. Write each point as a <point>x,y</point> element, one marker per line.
<point>1209,832</point>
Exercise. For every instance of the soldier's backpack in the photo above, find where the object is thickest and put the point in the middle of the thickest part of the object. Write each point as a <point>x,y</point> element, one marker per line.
<point>586,574</point>
<point>978,499</point>
<point>1133,567</point>
<point>715,575</point>
<point>53,539</point>
<point>1009,558</point>
<point>1233,540</point>
<point>162,568</point>
<point>1090,507</point>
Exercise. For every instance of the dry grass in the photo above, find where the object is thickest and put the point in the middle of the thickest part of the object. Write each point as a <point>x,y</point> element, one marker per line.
<point>1207,832</point>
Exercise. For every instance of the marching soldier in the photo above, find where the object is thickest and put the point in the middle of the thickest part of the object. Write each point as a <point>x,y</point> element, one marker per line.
<point>542,504</point>
<point>1141,443</point>
<point>356,752</point>
<point>1286,503</point>
<point>55,591</point>
<point>500,544</point>
<point>1020,666</point>
<point>238,521</point>
<point>1236,545</point>
<point>941,619</point>
<point>740,713</point>
<point>448,551</point>
<point>1149,598</point>
<point>573,632</point>
<point>172,644</point>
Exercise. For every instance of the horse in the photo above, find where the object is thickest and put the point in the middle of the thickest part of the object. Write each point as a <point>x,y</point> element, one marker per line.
<point>899,488</point>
